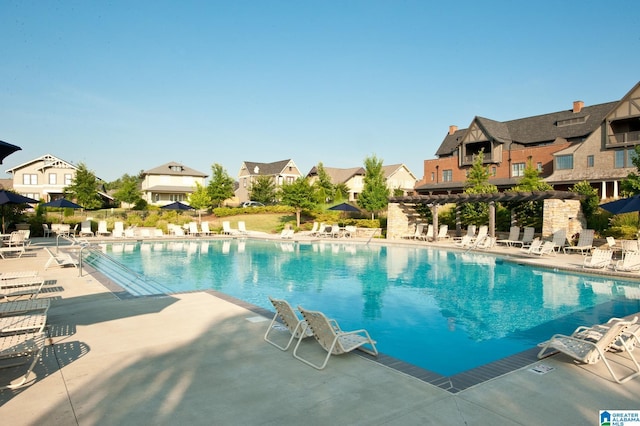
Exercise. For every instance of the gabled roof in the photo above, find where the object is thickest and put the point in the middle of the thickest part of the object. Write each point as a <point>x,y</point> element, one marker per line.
<point>545,128</point>
<point>174,169</point>
<point>338,175</point>
<point>266,169</point>
<point>48,160</point>
<point>391,169</point>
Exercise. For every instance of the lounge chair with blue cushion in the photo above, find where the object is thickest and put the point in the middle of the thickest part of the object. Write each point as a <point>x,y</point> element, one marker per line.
<point>332,339</point>
<point>292,323</point>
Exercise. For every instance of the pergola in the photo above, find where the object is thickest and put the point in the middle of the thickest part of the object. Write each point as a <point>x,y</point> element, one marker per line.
<point>435,200</point>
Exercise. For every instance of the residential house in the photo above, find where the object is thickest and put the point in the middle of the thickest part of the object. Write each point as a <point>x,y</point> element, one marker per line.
<point>45,177</point>
<point>170,182</point>
<point>281,172</point>
<point>593,143</point>
<point>397,177</point>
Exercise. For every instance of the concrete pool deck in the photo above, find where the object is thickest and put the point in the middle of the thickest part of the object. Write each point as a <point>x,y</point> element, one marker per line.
<point>199,359</point>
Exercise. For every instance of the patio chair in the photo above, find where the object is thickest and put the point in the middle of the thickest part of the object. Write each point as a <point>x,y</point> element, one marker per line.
<point>118,230</point>
<point>102,228</point>
<point>193,229</point>
<point>295,326</point>
<point>589,348</point>
<point>33,322</point>
<point>350,231</point>
<point>17,307</point>
<point>599,259</point>
<point>585,242</point>
<point>547,247</point>
<point>85,228</point>
<point>527,237</point>
<point>629,246</point>
<point>514,236</point>
<point>242,227</point>
<point>559,239</point>
<point>416,234</point>
<point>204,229</point>
<point>443,233</point>
<point>483,231</point>
<point>629,263</point>
<point>287,234</point>
<point>21,287</point>
<point>10,275</point>
<point>60,259</point>
<point>535,245</point>
<point>227,229</point>
<point>465,242</point>
<point>332,339</point>
<point>46,230</point>
<point>471,232</point>
<point>18,347</point>
<point>486,243</point>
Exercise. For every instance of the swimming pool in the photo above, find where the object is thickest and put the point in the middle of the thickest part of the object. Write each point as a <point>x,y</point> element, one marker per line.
<point>445,311</point>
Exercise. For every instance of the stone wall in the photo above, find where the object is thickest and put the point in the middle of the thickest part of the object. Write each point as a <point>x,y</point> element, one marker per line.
<point>398,223</point>
<point>562,214</point>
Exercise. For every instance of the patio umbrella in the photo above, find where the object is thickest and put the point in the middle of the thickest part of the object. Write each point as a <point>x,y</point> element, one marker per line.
<point>8,197</point>
<point>625,205</point>
<point>344,207</point>
<point>177,205</point>
<point>7,149</point>
<point>62,203</point>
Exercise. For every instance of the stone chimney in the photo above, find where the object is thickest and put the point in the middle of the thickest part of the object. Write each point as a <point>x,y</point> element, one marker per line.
<point>577,106</point>
<point>453,129</point>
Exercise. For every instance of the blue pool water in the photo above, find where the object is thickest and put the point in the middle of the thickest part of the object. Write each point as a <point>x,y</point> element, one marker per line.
<point>445,311</point>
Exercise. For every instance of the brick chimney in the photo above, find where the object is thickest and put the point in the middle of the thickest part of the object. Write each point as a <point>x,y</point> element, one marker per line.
<point>577,106</point>
<point>453,129</point>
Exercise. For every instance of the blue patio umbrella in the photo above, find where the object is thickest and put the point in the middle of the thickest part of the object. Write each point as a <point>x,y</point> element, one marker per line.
<point>8,197</point>
<point>7,149</point>
<point>62,203</point>
<point>344,207</point>
<point>625,205</point>
<point>177,205</point>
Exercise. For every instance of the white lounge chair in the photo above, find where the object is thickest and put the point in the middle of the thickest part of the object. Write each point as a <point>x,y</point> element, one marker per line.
<point>535,245</point>
<point>18,307</point>
<point>18,347</point>
<point>118,230</point>
<point>33,322</point>
<point>629,263</point>
<point>589,348</point>
<point>599,259</point>
<point>332,339</point>
<point>102,229</point>
<point>547,247</point>
<point>242,228</point>
<point>60,259</point>
<point>585,242</point>
<point>471,232</point>
<point>10,275</point>
<point>204,228</point>
<point>193,229</point>
<point>21,287</point>
<point>427,236</point>
<point>46,230</point>
<point>559,239</point>
<point>287,234</point>
<point>85,228</point>
<point>465,242</point>
<point>527,237</point>
<point>417,234</point>
<point>349,231</point>
<point>514,237</point>
<point>294,325</point>
<point>227,229</point>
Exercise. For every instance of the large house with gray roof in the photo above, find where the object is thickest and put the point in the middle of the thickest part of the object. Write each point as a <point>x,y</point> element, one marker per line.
<point>584,143</point>
<point>170,182</point>
<point>284,171</point>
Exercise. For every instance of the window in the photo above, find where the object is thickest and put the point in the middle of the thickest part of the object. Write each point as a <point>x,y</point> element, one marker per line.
<point>494,171</point>
<point>433,176</point>
<point>517,169</point>
<point>624,158</point>
<point>590,160</point>
<point>447,175</point>
<point>28,179</point>
<point>67,179</point>
<point>53,178</point>
<point>564,162</point>
<point>539,167</point>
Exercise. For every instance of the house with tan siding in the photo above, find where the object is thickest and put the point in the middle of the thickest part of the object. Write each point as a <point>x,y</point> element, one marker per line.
<point>170,182</point>
<point>284,171</point>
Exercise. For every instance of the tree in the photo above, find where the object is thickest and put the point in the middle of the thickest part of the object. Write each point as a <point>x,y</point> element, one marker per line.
<point>631,184</point>
<point>591,199</point>
<point>300,195</point>
<point>325,189</point>
<point>220,186</point>
<point>529,213</point>
<point>84,188</point>
<point>128,190</point>
<point>200,199</point>
<point>477,183</point>
<point>375,194</point>
<point>341,192</point>
<point>263,190</point>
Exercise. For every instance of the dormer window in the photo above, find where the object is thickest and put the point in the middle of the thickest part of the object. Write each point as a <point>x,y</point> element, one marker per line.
<point>572,121</point>
<point>256,170</point>
<point>176,168</point>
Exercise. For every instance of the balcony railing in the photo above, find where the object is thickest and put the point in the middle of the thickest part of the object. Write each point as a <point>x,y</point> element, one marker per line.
<point>624,138</point>
<point>468,159</point>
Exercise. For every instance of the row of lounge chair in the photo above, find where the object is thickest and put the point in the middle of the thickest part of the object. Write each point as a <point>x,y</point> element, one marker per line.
<point>23,318</point>
<point>326,332</point>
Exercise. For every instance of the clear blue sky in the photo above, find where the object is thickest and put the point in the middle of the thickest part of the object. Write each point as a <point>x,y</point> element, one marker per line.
<point>124,86</point>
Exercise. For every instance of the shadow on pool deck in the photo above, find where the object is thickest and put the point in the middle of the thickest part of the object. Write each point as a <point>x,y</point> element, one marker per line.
<point>198,358</point>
